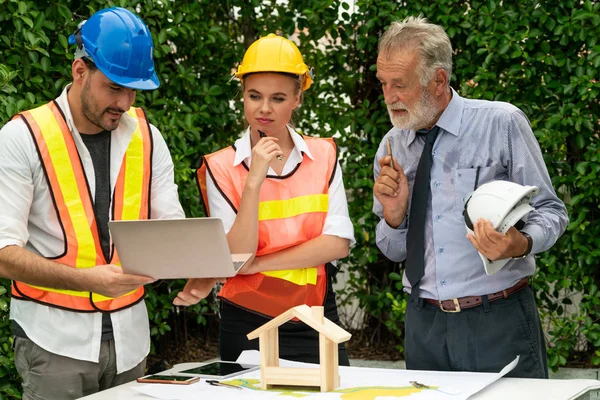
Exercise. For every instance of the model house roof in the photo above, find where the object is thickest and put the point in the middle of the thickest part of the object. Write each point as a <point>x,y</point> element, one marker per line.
<point>310,316</point>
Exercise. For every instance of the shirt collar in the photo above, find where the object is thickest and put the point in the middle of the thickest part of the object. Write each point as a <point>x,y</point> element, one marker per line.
<point>243,148</point>
<point>451,118</point>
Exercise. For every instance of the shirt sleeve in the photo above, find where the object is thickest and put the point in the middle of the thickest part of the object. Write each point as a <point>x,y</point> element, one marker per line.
<point>219,207</point>
<point>165,199</point>
<point>549,219</point>
<point>391,242</point>
<point>337,222</point>
<point>16,183</point>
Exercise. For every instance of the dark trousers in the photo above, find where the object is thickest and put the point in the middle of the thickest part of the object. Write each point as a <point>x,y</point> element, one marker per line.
<point>297,341</point>
<point>479,339</point>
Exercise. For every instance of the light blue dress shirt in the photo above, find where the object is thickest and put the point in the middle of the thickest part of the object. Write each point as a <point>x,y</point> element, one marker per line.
<point>497,138</point>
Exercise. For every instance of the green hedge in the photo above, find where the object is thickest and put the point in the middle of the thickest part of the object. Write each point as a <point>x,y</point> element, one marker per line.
<point>541,56</point>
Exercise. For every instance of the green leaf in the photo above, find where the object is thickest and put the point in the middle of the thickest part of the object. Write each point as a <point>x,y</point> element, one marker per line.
<point>162,36</point>
<point>581,167</point>
<point>395,276</point>
<point>504,48</point>
<point>45,63</point>
<point>33,56</point>
<point>63,40</point>
<point>579,141</point>
<point>550,24</point>
<point>215,90</point>
<point>39,20</point>
<point>516,52</point>
<point>581,14</point>
<point>10,109</point>
<point>64,12</point>
<point>27,21</point>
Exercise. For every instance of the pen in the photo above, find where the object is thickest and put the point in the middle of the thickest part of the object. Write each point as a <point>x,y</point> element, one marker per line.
<point>217,383</point>
<point>389,151</point>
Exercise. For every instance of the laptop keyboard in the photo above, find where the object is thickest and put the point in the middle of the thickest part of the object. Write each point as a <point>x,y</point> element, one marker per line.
<point>238,264</point>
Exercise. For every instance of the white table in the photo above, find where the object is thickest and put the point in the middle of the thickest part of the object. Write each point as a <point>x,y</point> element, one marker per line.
<point>503,389</point>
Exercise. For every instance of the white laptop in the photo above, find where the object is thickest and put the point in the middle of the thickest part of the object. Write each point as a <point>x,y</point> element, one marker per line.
<point>175,248</point>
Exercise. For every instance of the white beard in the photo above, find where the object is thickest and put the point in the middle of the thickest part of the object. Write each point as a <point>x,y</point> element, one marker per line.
<point>421,116</point>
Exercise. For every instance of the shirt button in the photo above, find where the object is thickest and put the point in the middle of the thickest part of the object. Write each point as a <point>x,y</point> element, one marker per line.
<point>443,282</point>
<point>437,184</point>
<point>441,250</point>
<point>438,217</point>
<point>435,153</point>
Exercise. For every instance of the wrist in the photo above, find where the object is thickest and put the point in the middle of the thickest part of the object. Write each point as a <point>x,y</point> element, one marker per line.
<point>252,184</point>
<point>527,245</point>
<point>394,221</point>
<point>78,279</point>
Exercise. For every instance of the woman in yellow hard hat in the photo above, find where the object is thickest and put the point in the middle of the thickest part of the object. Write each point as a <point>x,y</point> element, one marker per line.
<point>281,197</point>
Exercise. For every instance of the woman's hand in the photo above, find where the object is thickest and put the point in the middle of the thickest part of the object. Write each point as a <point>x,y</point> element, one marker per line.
<point>265,150</point>
<point>195,290</point>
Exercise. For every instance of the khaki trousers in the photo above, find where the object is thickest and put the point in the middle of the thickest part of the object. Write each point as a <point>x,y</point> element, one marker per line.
<point>48,376</point>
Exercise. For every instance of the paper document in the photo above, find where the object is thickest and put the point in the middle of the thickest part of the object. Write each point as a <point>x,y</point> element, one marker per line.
<point>199,390</point>
<point>374,383</point>
<point>355,384</point>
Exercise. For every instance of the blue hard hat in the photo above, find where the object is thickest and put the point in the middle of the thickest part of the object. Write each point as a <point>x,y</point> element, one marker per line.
<point>120,44</point>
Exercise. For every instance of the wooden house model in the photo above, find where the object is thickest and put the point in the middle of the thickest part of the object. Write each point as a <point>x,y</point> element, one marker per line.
<point>326,376</point>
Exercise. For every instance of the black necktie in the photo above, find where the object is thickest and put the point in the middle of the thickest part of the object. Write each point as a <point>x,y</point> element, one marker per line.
<point>415,239</point>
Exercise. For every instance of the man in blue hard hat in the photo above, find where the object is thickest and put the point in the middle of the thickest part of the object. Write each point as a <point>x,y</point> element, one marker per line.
<point>66,169</point>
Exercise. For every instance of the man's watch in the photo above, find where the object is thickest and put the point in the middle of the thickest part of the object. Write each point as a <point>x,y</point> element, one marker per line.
<point>529,244</point>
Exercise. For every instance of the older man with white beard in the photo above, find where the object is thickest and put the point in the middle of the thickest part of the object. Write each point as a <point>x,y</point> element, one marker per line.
<point>443,147</point>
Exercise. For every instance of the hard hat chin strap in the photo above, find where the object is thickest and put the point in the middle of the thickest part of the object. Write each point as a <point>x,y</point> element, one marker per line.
<point>465,213</point>
<point>476,179</point>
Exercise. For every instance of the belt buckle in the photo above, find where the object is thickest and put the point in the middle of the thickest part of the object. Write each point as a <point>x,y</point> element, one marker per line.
<point>456,306</point>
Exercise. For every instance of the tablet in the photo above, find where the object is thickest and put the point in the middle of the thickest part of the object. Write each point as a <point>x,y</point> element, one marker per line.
<point>220,370</point>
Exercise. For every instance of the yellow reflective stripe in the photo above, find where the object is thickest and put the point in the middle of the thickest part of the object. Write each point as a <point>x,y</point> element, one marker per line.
<point>68,292</point>
<point>302,276</point>
<point>276,209</point>
<point>134,173</point>
<point>59,154</point>
<point>95,296</point>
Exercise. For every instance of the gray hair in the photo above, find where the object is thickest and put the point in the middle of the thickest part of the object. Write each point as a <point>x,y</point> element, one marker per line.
<point>430,40</point>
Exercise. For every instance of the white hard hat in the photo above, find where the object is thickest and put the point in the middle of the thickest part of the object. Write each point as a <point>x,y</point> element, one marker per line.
<point>505,204</point>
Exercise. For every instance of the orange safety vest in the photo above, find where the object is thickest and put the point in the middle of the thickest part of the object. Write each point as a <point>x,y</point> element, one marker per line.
<point>292,210</point>
<point>71,196</point>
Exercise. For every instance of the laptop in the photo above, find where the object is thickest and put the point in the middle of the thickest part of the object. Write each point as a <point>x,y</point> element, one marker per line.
<point>175,248</point>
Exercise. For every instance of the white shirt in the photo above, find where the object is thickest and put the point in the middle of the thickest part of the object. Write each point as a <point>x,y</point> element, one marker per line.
<point>337,222</point>
<point>28,219</point>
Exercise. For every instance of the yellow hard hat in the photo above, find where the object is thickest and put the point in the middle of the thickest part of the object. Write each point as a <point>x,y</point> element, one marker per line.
<point>274,53</point>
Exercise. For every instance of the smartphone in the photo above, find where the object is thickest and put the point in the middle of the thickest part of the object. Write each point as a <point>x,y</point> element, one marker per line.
<point>179,380</point>
<point>220,370</point>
